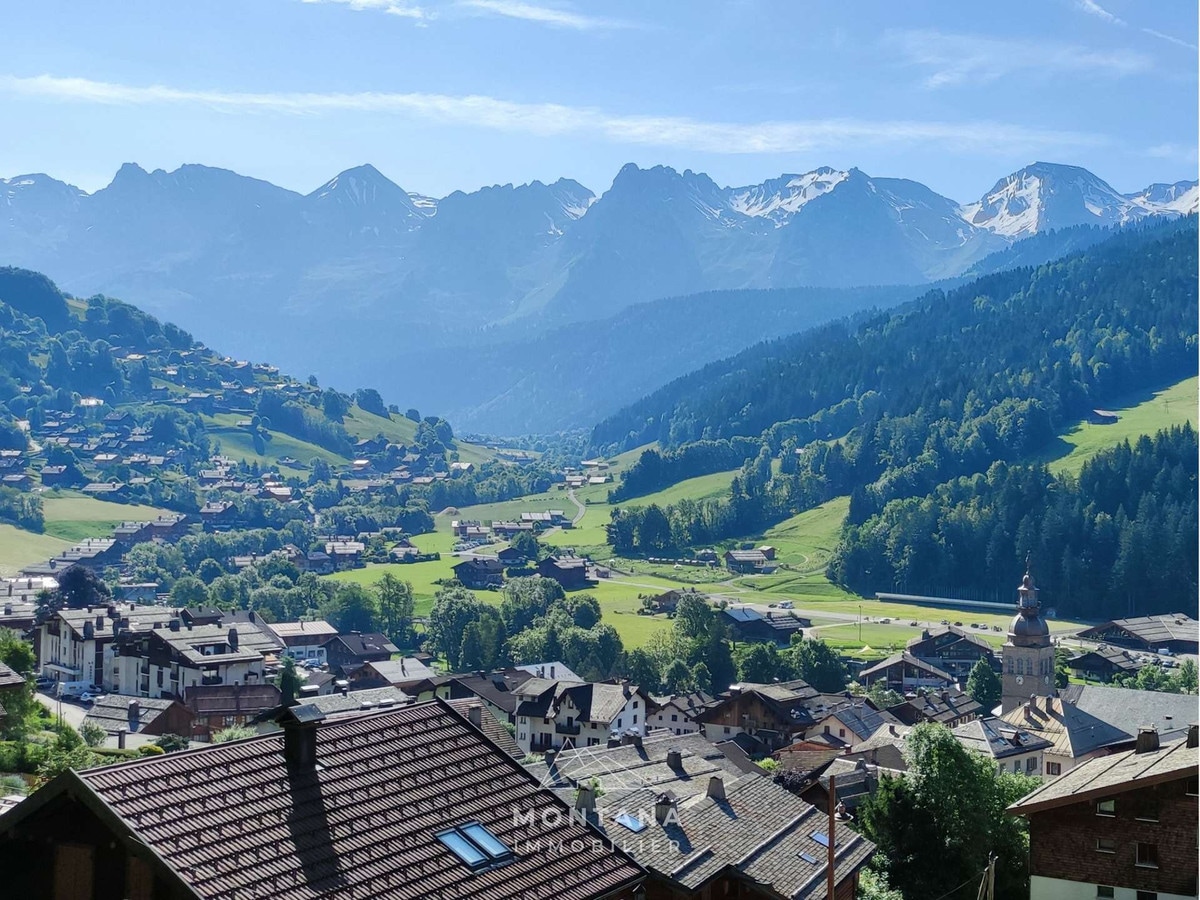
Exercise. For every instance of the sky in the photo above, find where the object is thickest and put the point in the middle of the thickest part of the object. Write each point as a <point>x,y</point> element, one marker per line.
<point>444,95</point>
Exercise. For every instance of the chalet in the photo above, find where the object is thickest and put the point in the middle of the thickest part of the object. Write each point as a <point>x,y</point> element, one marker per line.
<point>773,626</point>
<point>1102,663</point>
<point>903,673</point>
<point>703,827</point>
<point>461,468</point>
<point>18,481</point>
<point>345,554</point>
<point>165,662</point>
<point>1011,749</point>
<point>303,640</point>
<point>319,562</point>
<point>1119,826</point>
<point>952,649</point>
<point>1074,735</point>
<point>668,601</point>
<point>1176,632</point>
<point>402,674</point>
<point>771,714</point>
<point>569,571</point>
<point>510,556</point>
<point>214,707</point>
<point>53,476</point>
<point>498,690</point>
<point>554,713</point>
<point>508,529</point>
<point>170,527</point>
<point>949,706</point>
<point>163,827</point>
<point>748,562</point>
<point>348,653</point>
<point>106,490</point>
<point>480,572</point>
<point>12,684</point>
<point>677,714</point>
<point>850,723</point>
<point>118,714</point>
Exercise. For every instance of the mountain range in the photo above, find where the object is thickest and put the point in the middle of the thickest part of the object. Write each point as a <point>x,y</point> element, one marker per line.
<point>361,281</point>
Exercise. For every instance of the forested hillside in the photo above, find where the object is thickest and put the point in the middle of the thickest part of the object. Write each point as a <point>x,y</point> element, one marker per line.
<point>890,409</point>
<point>1119,540</point>
<point>1061,336</point>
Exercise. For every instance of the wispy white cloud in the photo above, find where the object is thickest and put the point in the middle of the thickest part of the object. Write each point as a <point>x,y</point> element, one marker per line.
<point>544,15</point>
<point>1169,150</point>
<point>1092,8</point>
<point>1171,39</point>
<point>553,119</point>
<point>391,7</point>
<point>963,58</point>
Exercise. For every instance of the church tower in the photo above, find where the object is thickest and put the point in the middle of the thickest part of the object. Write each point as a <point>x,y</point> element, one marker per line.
<point>1028,653</point>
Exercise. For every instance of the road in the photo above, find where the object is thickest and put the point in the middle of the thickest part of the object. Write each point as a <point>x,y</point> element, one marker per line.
<point>579,506</point>
<point>72,713</point>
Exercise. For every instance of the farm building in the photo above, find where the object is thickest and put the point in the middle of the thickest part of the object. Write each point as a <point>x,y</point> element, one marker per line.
<point>1176,632</point>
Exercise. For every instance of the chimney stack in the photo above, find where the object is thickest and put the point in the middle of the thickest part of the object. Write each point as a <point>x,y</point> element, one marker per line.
<point>1147,739</point>
<point>300,738</point>
<point>662,808</point>
<point>674,759</point>
<point>716,788</point>
<point>233,639</point>
<point>1192,736</point>
<point>135,715</point>
<point>475,715</point>
<point>174,624</point>
<point>585,797</point>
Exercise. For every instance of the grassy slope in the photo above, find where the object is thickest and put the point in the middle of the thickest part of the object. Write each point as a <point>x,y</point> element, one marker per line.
<point>20,548</point>
<point>72,517</point>
<point>1139,414</point>
<point>237,443</point>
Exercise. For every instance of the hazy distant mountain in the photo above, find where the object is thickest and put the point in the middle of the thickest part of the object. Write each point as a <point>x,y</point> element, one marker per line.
<point>360,274</point>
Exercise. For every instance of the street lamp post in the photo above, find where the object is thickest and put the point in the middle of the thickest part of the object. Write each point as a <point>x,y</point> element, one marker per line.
<point>860,622</point>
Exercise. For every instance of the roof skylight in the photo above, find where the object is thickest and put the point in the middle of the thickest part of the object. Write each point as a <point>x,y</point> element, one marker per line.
<point>475,845</point>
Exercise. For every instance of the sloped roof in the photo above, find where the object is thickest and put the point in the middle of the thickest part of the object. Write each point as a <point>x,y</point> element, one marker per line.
<point>1152,629</point>
<point>961,633</point>
<point>497,688</point>
<point>401,671</point>
<point>1113,774</point>
<point>253,644</point>
<point>288,630</point>
<point>489,725</point>
<point>364,822</point>
<point>759,830</point>
<point>10,677</point>
<point>1128,709</point>
<point>1115,656</point>
<point>357,702</point>
<point>1071,731</point>
<point>111,712</point>
<point>998,739</point>
<point>906,657</point>
<point>363,644</point>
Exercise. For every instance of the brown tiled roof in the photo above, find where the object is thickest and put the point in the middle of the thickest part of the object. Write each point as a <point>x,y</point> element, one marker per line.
<point>233,821</point>
<point>490,726</point>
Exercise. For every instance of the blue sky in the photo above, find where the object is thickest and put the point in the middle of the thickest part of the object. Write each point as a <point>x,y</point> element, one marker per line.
<point>456,94</point>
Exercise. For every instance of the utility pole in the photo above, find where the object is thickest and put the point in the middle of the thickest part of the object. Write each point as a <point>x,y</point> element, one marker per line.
<point>831,802</point>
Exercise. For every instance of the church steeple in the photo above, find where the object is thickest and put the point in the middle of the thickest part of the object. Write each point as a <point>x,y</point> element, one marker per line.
<point>1028,653</point>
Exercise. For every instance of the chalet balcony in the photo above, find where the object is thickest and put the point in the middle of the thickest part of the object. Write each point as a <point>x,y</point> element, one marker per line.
<point>212,679</point>
<point>562,728</point>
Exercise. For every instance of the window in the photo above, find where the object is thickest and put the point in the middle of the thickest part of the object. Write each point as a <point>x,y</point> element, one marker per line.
<point>635,704</point>
<point>619,725</point>
<point>821,838</point>
<point>1031,764</point>
<point>674,718</point>
<point>1147,855</point>
<point>545,721</point>
<point>635,718</point>
<point>475,845</point>
<point>1148,811</point>
<point>1106,845</point>
<point>1105,892</point>
<point>1106,807</point>
<point>841,732</point>
<point>827,729</point>
<point>1016,766</point>
<point>727,729</point>
<point>1053,768</point>
<point>633,823</point>
<point>1147,895</point>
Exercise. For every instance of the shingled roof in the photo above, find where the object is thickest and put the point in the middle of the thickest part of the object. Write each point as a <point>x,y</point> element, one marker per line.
<point>723,823</point>
<point>237,820</point>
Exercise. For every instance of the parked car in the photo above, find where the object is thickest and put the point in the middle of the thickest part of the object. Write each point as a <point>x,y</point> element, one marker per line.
<point>945,621</point>
<point>87,698</point>
<point>787,604</point>
<point>914,624</point>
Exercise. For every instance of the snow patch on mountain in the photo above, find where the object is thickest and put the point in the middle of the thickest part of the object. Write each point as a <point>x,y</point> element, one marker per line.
<point>778,199</point>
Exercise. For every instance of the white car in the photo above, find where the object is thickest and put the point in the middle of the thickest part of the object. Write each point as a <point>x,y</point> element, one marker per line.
<point>87,697</point>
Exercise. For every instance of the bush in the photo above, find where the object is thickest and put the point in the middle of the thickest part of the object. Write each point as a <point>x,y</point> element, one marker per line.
<point>21,756</point>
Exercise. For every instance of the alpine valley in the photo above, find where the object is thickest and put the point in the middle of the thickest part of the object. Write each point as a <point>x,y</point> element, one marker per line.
<point>502,307</point>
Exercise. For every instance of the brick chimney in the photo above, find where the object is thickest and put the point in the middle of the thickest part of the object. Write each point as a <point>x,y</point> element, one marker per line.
<point>1147,739</point>
<point>475,715</point>
<point>662,808</point>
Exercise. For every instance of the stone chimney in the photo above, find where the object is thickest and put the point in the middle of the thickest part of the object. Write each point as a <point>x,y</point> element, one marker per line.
<point>662,808</point>
<point>585,797</point>
<point>475,715</point>
<point>637,740</point>
<point>1147,739</point>
<point>1192,736</point>
<point>674,759</point>
<point>716,788</point>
